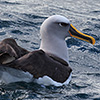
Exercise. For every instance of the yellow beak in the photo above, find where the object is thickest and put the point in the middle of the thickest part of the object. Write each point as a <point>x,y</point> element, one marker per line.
<point>77,34</point>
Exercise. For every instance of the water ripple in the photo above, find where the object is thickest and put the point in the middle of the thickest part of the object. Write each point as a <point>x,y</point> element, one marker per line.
<point>95,74</point>
<point>82,96</point>
<point>21,19</point>
<point>97,50</point>
<point>9,3</point>
<point>97,26</point>
<point>95,19</point>
<point>73,41</point>
<point>5,23</point>
<point>96,11</point>
<point>17,32</point>
<point>34,16</point>
<point>2,33</point>
<point>96,99</point>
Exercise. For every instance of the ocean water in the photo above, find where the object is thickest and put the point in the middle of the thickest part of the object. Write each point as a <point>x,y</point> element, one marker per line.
<point>21,19</point>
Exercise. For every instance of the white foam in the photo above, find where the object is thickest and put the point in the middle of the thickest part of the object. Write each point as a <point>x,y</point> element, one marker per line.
<point>46,80</point>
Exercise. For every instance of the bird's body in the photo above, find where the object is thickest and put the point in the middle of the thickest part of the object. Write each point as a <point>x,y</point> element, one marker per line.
<point>50,64</point>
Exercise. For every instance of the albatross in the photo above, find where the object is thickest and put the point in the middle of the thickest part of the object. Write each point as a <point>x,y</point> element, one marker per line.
<point>49,65</point>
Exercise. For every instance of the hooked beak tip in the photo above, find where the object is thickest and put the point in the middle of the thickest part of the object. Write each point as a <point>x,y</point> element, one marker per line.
<point>77,34</point>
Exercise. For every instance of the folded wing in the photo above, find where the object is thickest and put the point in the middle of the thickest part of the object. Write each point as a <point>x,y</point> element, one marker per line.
<point>9,51</point>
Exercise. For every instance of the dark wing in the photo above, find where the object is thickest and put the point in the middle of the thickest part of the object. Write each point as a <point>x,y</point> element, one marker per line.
<point>39,64</point>
<point>9,51</point>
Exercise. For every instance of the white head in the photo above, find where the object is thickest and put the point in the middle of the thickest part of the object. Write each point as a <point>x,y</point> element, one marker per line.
<point>55,25</point>
<point>53,32</point>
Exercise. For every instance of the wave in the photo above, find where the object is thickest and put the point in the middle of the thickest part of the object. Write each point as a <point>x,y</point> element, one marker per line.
<point>10,3</point>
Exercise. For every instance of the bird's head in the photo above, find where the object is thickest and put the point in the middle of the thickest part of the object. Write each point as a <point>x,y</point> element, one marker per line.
<point>61,27</point>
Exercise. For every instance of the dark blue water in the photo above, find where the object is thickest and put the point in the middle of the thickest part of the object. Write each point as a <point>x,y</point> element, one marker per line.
<point>21,19</point>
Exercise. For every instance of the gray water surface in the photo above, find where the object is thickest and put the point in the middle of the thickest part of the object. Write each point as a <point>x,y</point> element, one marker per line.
<point>21,19</point>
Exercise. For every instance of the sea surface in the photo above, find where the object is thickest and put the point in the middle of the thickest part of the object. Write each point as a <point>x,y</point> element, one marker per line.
<point>21,20</point>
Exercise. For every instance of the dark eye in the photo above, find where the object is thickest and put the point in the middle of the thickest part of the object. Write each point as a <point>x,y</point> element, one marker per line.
<point>63,24</point>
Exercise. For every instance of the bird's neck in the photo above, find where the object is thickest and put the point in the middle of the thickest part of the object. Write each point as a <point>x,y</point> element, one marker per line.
<point>56,47</point>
